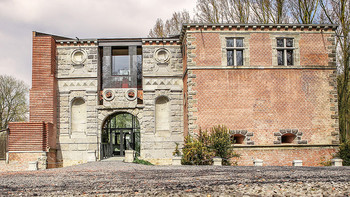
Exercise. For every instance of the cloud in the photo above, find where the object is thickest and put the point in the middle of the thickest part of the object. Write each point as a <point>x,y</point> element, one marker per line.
<point>74,18</point>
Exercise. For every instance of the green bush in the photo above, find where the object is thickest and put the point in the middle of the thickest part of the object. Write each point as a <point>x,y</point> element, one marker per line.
<point>141,161</point>
<point>220,143</point>
<point>344,152</point>
<point>201,150</point>
<point>196,150</point>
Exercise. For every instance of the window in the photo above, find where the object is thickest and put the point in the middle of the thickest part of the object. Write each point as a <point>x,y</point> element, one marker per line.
<point>288,138</point>
<point>234,47</point>
<point>120,61</point>
<point>126,67</point>
<point>285,47</point>
<point>237,138</point>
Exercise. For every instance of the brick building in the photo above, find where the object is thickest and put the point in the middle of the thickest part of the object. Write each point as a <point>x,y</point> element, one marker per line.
<point>273,86</point>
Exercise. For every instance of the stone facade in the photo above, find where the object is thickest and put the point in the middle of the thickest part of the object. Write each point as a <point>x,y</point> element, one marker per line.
<point>106,96</point>
<point>162,78</point>
<point>77,81</point>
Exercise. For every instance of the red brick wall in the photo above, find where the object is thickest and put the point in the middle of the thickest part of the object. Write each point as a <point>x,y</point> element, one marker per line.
<point>265,101</point>
<point>51,136</point>
<point>185,100</point>
<point>52,159</point>
<point>43,102</point>
<point>260,49</point>
<point>313,49</point>
<point>285,156</point>
<point>208,49</point>
<point>27,136</point>
<point>20,161</point>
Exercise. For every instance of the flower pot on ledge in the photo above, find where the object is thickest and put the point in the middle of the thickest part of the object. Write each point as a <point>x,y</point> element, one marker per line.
<point>176,161</point>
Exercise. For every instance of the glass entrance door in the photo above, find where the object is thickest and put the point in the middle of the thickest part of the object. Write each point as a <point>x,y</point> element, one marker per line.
<point>123,139</point>
<point>120,132</point>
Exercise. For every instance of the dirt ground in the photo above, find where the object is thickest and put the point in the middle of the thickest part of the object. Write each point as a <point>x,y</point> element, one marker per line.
<point>115,178</point>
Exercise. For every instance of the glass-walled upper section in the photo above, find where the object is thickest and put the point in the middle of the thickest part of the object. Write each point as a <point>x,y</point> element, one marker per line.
<point>122,67</point>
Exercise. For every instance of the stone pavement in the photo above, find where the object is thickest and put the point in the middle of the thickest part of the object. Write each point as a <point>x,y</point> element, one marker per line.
<point>115,178</point>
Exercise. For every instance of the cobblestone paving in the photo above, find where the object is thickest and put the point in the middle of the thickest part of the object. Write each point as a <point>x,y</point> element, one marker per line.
<point>116,178</point>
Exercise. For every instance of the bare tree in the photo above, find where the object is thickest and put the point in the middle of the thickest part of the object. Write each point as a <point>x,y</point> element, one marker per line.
<point>235,11</point>
<point>172,26</point>
<point>269,11</point>
<point>210,11</point>
<point>158,29</point>
<point>13,100</point>
<point>304,11</point>
<point>338,12</point>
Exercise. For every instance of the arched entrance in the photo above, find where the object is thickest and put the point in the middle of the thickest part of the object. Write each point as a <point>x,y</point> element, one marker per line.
<point>120,132</point>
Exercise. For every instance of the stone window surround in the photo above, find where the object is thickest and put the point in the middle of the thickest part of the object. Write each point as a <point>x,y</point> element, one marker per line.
<point>247,136</point>
<point>234,49</point>
<point>245,48</point>
<point>296,49</point>
<point>296,132</point>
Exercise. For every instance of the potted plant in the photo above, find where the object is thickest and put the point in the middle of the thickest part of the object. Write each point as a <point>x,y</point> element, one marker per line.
<point>176,155</point>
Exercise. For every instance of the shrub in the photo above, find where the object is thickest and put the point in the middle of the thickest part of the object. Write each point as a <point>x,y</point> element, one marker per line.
<point>201,150</point>
<point>220,143</point>
<point>344,152</point>
<point>196,150</point>
<point>141,161</point>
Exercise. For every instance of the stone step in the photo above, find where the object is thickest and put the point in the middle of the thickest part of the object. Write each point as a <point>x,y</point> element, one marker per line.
<point>114,159</point>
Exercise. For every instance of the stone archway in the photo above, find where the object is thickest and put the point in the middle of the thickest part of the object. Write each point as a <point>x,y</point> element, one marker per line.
<point>120,132</point>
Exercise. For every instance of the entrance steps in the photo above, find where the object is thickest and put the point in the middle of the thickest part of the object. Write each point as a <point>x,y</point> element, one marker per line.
<point>114,159</point>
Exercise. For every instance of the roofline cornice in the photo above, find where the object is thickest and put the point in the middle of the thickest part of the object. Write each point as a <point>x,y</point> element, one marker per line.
<point>251,26</point>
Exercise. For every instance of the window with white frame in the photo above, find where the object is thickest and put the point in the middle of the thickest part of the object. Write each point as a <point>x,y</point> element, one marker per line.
<point>285,51</point>
<point>234,51</point>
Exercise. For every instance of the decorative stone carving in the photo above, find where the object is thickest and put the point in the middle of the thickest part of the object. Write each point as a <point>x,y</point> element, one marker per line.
<point>162,55</point>
<point>108,95</point>
<point>78,56</point>
<point>131,94</point>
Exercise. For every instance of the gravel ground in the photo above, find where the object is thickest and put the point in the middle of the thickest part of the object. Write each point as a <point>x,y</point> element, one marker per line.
<point>120,179</point>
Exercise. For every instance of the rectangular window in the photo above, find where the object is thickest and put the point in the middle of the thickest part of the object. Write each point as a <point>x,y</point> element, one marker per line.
<point>126,67</point>
<point>234,51</point>
<point>285,51</point>
<point>120,61</point>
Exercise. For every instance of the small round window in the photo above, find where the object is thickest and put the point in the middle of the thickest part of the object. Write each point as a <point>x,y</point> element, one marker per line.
<point>78,56</point>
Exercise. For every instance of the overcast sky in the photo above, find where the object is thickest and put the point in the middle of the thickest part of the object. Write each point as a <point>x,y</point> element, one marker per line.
<point>73,18</point>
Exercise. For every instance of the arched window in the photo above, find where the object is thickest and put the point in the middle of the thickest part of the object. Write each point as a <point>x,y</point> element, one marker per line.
<point>78,115</point>
<point>288,138</point>
<point>238,138</point>
<point>162,113</point>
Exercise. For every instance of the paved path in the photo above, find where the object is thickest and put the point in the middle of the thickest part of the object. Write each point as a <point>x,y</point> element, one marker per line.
<point>120,179</point>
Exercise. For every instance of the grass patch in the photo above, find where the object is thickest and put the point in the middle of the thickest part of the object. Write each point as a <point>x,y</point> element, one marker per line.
<point>141,161</point>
